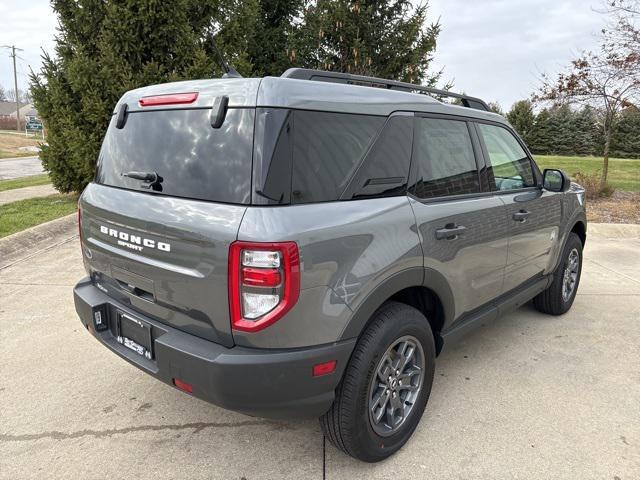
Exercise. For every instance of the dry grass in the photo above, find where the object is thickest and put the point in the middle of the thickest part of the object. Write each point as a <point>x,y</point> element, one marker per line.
<point>621,207</point>
<point>11,142</point>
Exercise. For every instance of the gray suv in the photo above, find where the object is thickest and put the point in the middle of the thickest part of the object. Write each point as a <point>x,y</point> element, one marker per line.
<point>307,245</point>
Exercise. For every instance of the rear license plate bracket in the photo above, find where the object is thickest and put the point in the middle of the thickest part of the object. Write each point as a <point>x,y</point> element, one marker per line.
<point>134,334</point>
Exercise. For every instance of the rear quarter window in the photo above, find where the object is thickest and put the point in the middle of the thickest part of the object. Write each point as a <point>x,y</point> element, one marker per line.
<point>193,159</point>
<point>327,149</point>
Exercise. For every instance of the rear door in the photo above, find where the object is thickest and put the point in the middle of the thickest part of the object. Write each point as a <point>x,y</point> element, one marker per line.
<point>461,227</point>
<point>160,245</point>
<point>533,214</point>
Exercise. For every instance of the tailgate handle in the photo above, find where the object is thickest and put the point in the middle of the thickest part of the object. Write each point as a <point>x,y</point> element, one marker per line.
<point>134,284</point>
<point>137,291</point>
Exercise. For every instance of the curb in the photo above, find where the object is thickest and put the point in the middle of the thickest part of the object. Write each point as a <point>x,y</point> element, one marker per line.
<point>27,243</point>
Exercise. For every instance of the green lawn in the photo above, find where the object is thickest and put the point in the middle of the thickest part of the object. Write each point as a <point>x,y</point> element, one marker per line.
<point>17,216</point>
<point>24,182</point>
<point>624,174</point>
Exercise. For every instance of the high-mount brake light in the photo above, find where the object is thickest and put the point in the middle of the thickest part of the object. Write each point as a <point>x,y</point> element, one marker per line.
<point>264,283</point>
<point>168,99</point>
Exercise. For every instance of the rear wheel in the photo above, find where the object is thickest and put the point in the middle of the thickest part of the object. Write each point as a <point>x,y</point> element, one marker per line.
<point>385,386</point>
<point>559,296</point>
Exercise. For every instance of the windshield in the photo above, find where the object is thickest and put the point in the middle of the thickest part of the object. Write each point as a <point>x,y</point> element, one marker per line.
<point>178,153</point>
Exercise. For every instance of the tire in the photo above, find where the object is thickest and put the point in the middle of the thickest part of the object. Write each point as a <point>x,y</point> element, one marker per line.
<point>349,424</point>
<point>553,300</point>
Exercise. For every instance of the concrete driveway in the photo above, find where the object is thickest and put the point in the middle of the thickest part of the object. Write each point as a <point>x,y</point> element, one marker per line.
<point>529,396</point>
<point>20,167</point>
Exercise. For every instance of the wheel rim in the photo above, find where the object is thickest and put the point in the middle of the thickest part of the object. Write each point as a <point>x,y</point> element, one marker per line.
<point>396,385</point>
<point>570,276</point>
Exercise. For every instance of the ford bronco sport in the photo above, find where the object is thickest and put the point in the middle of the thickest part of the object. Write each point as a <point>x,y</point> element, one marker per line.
<point>307,245</point>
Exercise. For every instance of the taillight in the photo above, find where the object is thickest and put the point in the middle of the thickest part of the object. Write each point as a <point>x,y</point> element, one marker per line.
<point>264,283</point>
<point>168,99</point>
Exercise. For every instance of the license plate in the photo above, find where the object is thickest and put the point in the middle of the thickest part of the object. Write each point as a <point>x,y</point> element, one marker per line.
<point>135,334</point>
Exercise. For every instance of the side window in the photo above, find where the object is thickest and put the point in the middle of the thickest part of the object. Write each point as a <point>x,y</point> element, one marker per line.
<point>327,149</point>
<point>509,167</point>
<point>445,160</point>
<point>385,169</point>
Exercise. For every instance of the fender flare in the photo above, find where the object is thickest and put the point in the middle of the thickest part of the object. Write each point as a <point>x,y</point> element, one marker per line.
<point>411,277</point>
<point>578,217</point>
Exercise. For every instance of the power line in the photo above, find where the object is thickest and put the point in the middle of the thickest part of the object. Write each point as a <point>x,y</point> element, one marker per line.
<point>13,49</point>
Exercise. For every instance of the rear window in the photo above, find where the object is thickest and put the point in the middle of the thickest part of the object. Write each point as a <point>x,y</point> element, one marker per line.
<point>193,159</point>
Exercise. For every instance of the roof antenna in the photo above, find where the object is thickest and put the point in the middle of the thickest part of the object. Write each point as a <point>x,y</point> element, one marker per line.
<point>229,71</point>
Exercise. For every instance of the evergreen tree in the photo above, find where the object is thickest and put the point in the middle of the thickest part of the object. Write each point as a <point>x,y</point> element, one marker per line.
<point>584,142</point>
<point>388,39</point>
<point>268,48</point>
<point>625,141</point>
<point>562,129</point>
<point>104,49</point>
<point>522,118</point>
<point>495,108</point>
<point>541,137</point>
<point>234,25</point>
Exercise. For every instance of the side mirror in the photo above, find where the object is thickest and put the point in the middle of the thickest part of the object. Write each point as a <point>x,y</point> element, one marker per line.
<point>555,180</point>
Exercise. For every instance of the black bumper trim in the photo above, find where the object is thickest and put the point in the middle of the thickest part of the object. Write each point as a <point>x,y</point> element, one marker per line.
<point>259,382</point>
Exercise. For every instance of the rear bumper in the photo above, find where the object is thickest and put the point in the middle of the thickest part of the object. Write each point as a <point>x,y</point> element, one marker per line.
<point>260,382</point>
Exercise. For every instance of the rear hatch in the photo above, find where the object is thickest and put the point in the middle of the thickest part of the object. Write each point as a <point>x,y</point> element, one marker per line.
<point>167,201</point>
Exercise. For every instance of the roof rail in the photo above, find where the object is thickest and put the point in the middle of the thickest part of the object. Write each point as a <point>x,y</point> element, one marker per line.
<point>337,77</point>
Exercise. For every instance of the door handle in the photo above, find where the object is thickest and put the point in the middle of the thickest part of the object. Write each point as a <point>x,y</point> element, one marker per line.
<point>450,231</point>
<point>521,216</point>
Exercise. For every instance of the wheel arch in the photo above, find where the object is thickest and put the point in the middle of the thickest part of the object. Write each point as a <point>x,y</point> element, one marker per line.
<point>422,288</point>
<point>580,229</point>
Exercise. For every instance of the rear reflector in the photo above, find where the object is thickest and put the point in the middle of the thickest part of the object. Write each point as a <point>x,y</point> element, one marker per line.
<point>184,386</point>
<point>261,277</point>
<point>324,368</point>
<point>168,99</point>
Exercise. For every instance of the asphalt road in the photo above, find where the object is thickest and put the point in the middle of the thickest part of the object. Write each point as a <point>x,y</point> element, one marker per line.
<point>528,396</point>
<point>20,167</point>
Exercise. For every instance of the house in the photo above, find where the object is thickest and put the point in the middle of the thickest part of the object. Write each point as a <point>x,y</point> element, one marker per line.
<point>27,111</point>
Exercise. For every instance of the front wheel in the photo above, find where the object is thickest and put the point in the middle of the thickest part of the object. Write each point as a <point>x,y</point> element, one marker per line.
<point>559,296</point>
<point>385,387</point>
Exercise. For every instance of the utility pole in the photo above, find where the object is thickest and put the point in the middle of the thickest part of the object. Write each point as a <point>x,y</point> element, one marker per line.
<point>15,82</point>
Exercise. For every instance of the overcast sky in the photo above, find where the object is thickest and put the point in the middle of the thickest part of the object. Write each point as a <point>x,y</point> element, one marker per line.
<point>493,49</point>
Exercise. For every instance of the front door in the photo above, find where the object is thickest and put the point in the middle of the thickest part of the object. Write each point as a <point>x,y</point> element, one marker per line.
<point>533,214</point>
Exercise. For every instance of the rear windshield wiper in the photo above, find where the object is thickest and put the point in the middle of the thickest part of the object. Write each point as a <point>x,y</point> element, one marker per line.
<point>151,178</point>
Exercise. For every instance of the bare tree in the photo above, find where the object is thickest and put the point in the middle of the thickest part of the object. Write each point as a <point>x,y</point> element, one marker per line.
<point>623,30</point>
<point>630,7</point>
<point>24,96</point>
<point>3,94</point>
<point>608,79</point>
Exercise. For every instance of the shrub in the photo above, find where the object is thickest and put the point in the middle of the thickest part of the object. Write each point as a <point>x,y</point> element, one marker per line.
<point>591,183</point>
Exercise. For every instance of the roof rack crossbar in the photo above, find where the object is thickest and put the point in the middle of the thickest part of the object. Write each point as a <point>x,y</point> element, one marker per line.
<point>337,77</point>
